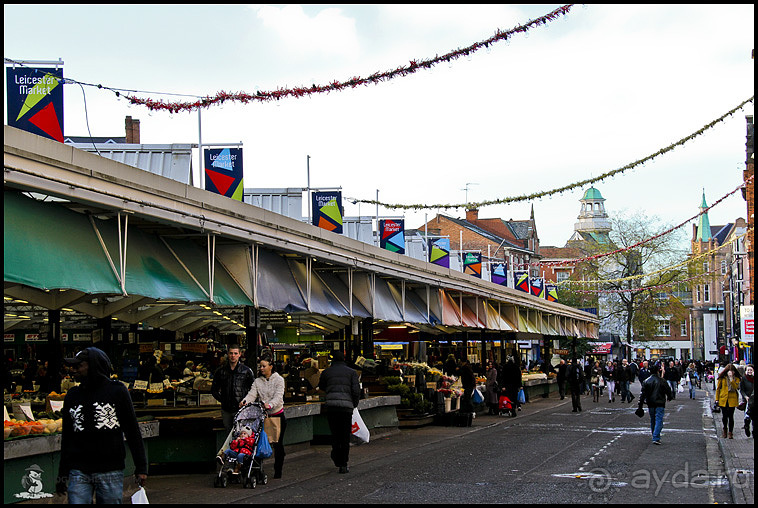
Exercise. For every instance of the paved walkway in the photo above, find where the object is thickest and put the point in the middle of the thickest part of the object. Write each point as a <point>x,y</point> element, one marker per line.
<point>738,454</point>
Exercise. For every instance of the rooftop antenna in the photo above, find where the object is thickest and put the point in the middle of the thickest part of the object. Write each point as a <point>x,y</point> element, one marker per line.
<point>466,189</point>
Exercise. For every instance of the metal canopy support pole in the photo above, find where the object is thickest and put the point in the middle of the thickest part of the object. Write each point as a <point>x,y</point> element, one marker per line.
<point>211,263</point>
<point>373,295</point>
<point>308,268</point>
<point>253,267</point>
<point>186,269</point>
<point>428,311</point>
<point>484,352</point>
<point>350,288</point>
<point>201,173</point>
<point>402,284</point>
<point>117,273</point>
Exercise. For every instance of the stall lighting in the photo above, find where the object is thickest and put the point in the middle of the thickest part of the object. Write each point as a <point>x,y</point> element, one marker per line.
<point>11,315</point>
<point>68,310</point>
<point>217,313</point>
<point>21,301</point>
<point>8,298</point>
<point>397,326</point>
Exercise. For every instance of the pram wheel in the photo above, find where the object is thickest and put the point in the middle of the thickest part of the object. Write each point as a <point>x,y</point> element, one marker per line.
<point>264,479</point>
<point>251,482</point>
<point>223,481</point>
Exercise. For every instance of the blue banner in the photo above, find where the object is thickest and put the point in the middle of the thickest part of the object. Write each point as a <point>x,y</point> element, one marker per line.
<point>439,252</point>
<point>392,235</point>
<point>499,273</point>
<point>35,101</point>
<point>223,172</point>
<point>327,210</point>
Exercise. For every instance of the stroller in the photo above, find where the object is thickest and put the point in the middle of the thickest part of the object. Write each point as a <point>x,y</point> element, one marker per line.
<point>505,405</point>
<point>251,472</point>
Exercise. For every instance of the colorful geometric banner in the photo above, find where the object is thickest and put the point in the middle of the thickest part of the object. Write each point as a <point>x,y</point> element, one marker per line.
<point>521,281</point>
<point>500,273</point>
<point>538,287</point>
<point>551,292</point>
<point>327,210</point>
<point>439,252</point>
<point>35,101</point>
<point>472,264</point>
<point>392,235</point>
<point>223,172</point>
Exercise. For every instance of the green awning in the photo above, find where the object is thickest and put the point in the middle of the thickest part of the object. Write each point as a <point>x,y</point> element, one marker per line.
<point>47,246</point>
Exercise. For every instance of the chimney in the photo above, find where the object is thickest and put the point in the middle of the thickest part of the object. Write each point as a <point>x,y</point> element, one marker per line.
<point>472,215</point>
<point>132,130</point>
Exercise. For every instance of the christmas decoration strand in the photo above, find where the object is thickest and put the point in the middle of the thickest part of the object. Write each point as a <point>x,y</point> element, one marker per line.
<point>376,78</point>
<point>642,242</point>
<point>559,190</point>
<point>661,270</point>
<point>643,288</point>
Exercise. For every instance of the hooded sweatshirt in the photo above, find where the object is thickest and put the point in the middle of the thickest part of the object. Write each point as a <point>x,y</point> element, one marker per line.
<point>97,415</point>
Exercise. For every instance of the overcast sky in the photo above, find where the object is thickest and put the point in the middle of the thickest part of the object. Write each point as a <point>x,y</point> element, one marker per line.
<point>587,93</point>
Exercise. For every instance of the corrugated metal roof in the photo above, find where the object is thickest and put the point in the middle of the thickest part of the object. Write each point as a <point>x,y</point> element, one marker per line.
<point>172,161</point>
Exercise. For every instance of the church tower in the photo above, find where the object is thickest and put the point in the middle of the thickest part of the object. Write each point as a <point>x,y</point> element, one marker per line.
<point>593,224</point>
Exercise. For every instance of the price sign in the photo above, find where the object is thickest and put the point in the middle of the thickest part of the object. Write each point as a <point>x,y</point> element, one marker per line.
<point>140,385</point>
<point>56,405</point>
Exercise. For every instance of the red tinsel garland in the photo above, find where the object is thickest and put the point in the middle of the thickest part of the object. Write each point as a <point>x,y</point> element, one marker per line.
<point>377,77</point>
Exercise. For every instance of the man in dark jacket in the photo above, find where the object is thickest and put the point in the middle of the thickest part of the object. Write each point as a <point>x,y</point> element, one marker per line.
<point>231,382</point>
<point>672,375</point>
<point>97,415</point>
<point>468,381</point>
<point>655,392</point>
<point>644,372</point>
<point>561,378</point>
<point>576,382</point>
<point>343,392</point>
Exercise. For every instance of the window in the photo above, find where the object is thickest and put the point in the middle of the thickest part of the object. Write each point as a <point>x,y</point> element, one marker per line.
<point>705,266</point>
<point>683,329</point>
<point>723,267</point>
<point>706,293</point>
<point>561,276</point>
<point>699,294</point>
<point>664,328</point>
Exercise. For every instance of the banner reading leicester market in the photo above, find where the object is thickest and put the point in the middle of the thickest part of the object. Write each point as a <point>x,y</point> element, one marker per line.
<point>327,210</point>
<point>551,292</point>
<point>439,252</point>
<point>521,280</point>
<point>392,235</point>
<point>223,172</point>
<point>500,273</point>
<point>472,264</point>
<point>538,287</point>
<point>35,101</point>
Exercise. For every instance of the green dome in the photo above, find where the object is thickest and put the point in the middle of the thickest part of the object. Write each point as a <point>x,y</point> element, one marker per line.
<point>592,193</point>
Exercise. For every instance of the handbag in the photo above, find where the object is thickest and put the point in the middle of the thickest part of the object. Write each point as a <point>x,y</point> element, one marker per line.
<point>742,405</point>
<point>521,396</point>
<point>716,408</point>
<point>477,397</point>
<point>594,380</point>
<point>640,412</point>
<point>358,427</point>
<point>273,428</point>
<point>264,450</point>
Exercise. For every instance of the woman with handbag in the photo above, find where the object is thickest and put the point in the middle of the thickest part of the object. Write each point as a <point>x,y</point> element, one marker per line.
<point>727,397</point>
<point>269,389</point>
<point>596,377</point>
<point>491,389</point>
<point>610,381</point>
<point>746,391</point>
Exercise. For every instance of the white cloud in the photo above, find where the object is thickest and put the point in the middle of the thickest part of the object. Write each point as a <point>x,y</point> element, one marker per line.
<point>329,32</point>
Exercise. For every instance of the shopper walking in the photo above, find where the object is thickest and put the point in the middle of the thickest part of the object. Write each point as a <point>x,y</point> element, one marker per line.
<point>512,381</point>
<point>644,372</point>
<point>268,388</point>
<point>576,382</point>
<point>727,397</point>
<point>692,379</point>
<point>655,392</point>
<point>625,377</point>
<point>672,376</point>
<point>231,382</point>
<point>561,378</point>
<point>491,389</point>
<point>746,391</point>
<point>468,382</point>
<point>97,414</point>
<point>610,381</point>
<point>340,383</point>
<point>596,379</point>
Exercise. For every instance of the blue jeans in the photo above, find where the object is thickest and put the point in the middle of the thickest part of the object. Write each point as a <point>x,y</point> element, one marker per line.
<point>108,488</point>
<point>238,456</point>
<point>656,421</point>
<point>673,385</point>
<point>693,385</point>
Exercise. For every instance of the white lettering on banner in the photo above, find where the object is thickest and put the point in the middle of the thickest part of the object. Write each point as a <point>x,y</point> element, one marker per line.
<point>748,325</point>
<point>226,157</point>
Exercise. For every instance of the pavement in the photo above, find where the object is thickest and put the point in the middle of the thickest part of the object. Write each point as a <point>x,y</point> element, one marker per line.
<point>738,454</point>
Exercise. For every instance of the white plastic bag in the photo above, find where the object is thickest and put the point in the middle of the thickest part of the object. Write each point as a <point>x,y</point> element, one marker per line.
<point>358,428</point>
<point>140,497</point>
<point>680,389</point>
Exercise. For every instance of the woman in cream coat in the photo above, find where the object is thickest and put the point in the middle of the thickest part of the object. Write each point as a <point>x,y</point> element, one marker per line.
<point>269,389</point>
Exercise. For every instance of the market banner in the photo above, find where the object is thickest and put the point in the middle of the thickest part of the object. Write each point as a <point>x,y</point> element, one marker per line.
<point>439,252</point>
<point>35,100</point>
<point>327,210</point>
<point>521,279</point>
<point>392,235</point>
<point>223,172</point>
<point>472,264</point>
<point>551,292</point>
<point>538,287</point>
<point>499,273</point>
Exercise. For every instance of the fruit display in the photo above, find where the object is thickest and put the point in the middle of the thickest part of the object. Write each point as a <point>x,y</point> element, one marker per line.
<point>15,428</point>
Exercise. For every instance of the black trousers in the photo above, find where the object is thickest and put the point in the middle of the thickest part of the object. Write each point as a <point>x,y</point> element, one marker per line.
<point>727,418</point>
<point>340,423</point>
<point>562,388</point>
<point>278,447</point>
<point>576,400</point>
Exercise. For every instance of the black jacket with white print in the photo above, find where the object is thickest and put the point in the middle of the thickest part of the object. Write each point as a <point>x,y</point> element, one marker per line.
<point>97,414</point>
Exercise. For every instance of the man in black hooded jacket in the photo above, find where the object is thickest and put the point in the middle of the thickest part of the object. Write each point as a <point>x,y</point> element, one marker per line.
<point>97,415</point>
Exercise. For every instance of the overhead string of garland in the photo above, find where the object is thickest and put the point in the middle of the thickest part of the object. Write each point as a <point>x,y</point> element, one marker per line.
<point>376,78</point>
<point>558,190</point>
<point>641,242</point>
<point>644,288</point>
<point>661,270</point>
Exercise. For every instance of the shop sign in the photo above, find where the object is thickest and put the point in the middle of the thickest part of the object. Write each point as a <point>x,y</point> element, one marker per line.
<point>600,348</point>
<point>439,252</point>
<point>82,337</point>
<point>194,348</point>
<point>560,351</point>
<point>524,344</point>
<point>327,210</point>
<point>35,101</point>
<point>9,337</point>
<point>223,172</point>
<point>746,318</point>
<point>32,337</point>
<point>392,236</point>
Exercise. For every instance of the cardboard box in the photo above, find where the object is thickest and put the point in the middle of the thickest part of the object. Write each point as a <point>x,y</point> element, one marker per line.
<point>206,399</point>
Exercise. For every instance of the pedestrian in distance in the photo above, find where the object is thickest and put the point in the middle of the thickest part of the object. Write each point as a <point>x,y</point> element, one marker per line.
<point>625,376</point>
<point>610,381</point>
<point>268,388</point>
<point>596,379</point>
<point>491,389</point>
<point>97,415</point>
<point>672,376</point>
<point>655,393</point>
<point>561,378</point>
<point>231,382</point>
<point>241,448</point>
<point>746,391</point>
<point>576,381</point>
<point>727,397</point>
<point>692,379</point>
<point>644,372</point>
<point>340,383</point>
